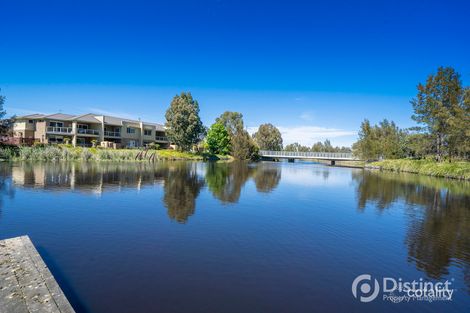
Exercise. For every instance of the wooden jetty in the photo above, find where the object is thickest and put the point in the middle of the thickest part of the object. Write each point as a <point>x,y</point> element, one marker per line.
<point>26,284</point>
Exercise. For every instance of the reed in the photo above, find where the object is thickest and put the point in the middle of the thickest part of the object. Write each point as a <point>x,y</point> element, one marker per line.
<point>457,170</point>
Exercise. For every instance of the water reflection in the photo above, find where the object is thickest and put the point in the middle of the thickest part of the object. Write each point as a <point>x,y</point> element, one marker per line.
<point>6,187</point>
<point>181,181</point>
<point>438,234</point>
<point>182,185</point>
<point>267,178</point>
<point>226,180</point>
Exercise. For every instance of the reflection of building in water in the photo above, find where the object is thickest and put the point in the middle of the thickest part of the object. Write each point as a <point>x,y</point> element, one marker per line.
<point>182,181</point>
<point>86,177</point>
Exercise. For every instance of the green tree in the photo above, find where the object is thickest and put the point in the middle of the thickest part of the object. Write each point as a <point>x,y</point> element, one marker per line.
<point>367,147</point>
<point>390,140</point>
<point>296,147</point>
<point>384,140</point>
<point>417,144</point>
<point>184,126</point>
<point>318,147</point>
<point>218,139</point>
<point>232,121</point>
<point>6,124</point>
<point>268,137</point>
<point>440,106</point>
<point>327,146</point>
<point>2,102</point>
<point>243,146</point>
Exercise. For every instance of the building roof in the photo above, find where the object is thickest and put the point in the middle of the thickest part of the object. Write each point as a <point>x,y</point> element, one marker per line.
<point>91,118</point>
<point>112,120</point>
<point>58,116</point>
<point>31,116</point>
<point>87,118</point>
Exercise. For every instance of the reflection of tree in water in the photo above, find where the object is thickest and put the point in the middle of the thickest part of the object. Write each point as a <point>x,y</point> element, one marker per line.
<point>6,187</point>
<point>439,229</point>
<point>267,177</point>
<point>225,180</point>
<point>182,186</point>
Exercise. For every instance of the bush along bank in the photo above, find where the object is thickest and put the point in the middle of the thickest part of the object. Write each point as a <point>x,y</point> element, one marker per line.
<point>455,170</point>
<point>70,153</point>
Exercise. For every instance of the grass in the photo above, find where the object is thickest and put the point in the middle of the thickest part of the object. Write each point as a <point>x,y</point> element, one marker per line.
<point>457,170</point>
<point>168,154</point>
<point>355,164</point>
<point>70,153</point>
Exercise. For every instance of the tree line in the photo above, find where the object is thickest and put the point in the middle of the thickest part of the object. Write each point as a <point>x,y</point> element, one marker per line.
<point>319,146</point>
<point>442,111</point>
<point>227,135</point>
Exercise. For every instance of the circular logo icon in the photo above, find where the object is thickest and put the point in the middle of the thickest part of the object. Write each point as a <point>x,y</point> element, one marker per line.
<point>364,283</point>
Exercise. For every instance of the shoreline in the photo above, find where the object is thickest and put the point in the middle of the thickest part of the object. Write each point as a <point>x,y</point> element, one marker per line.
<point>456,170</point>
<point>97,154</point>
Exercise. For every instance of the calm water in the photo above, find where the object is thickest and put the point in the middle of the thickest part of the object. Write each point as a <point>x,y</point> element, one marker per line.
<point>268,237</point>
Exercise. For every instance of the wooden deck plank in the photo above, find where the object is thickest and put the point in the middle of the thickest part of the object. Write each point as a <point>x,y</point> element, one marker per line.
<point>26,284</point>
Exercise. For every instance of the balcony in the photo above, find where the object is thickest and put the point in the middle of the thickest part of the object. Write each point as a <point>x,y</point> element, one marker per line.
<point>112,134</point>
<point>161,138</point>
<point>59,130</point>
<point>84,131</point>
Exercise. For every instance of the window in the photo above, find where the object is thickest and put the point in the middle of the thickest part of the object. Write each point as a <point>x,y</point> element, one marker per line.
<point>56,139</point>
<point>56,124</point>
<point>130,130</point>
<point>82,126</point>
<point>147,132</point>
<point>31,121</point>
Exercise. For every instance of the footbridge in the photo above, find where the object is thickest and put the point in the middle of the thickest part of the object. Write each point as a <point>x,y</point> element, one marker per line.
<point>292,155</point>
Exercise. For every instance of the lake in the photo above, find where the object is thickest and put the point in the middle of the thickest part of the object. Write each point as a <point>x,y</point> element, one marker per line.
<point>237,237</point>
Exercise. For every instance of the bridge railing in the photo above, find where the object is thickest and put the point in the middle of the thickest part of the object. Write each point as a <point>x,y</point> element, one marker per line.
<point>316,155</point>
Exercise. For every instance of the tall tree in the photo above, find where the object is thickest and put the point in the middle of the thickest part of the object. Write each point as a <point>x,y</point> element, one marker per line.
<point>439,105</point>
<point>268,137</point>
<point>232,121</point>
<point>390,140</point>
<point>6,124</point>
<point>367,147</point>
<point>243,146</point>
<point>184,126</point>
<point>318,147</point>
<point>327,146</point>
<point>2,102</point>
<point>218,139</point>
<point>296,147</point>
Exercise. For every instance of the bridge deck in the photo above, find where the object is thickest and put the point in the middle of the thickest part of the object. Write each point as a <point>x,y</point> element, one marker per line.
<point>26,284</point>
<point>308,155</point>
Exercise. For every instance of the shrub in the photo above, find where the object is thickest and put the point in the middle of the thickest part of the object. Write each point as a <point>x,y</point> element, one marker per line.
<point>153,146</point>
<point>86,155</point>
<point>8,152</point>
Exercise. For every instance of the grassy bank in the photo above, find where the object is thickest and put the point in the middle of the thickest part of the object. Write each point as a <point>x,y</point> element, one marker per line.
<point>69,153</point>
<point>457,170</point>
<point>353,164</point>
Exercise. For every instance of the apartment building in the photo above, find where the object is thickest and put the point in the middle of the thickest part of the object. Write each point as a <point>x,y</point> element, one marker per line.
<point>81,130</point>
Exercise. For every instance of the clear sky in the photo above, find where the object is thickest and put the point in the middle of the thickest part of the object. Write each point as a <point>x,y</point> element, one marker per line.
<point>315,69</point>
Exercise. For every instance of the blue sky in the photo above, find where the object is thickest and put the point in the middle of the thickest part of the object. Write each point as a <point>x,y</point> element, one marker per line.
<point>314,69</point>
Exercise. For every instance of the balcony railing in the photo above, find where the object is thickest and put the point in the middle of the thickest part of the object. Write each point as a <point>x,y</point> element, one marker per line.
<point>85,131</point>
<point>161,138</point>
<point>61,130</point>
<point>111,134</point>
